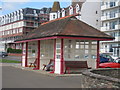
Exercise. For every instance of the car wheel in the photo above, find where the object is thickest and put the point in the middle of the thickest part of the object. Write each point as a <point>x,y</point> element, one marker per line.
<point>3,56</point>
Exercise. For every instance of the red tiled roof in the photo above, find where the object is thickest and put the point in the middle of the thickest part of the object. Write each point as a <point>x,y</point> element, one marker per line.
<point>65,26</point>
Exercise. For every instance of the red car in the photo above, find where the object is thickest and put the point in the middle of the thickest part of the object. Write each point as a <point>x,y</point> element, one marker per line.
<point>114,64</point>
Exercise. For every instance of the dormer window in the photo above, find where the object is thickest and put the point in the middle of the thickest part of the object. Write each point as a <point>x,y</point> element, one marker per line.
<point>70,10</point>
<point>63,13</point>
<point>54,16</point>
<point>77,8</point>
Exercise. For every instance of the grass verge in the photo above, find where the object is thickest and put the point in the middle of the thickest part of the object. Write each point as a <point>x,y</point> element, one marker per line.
<point>8,61</point>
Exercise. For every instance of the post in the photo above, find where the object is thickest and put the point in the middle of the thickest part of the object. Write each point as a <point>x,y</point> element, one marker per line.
<point>62,59</point>
<point>98,54</point>
<point>22,53</point>
<point>26,55</point>
<point>38,57</point>
<point>54,55</point>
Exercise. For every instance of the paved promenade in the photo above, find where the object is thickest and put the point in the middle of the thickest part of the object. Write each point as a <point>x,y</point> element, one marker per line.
<point>13,77</point>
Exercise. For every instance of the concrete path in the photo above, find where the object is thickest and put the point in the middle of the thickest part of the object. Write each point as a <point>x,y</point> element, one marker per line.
<point>17,78</point>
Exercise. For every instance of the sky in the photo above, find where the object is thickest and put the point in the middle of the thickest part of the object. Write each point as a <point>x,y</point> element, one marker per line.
<point>9,6</point>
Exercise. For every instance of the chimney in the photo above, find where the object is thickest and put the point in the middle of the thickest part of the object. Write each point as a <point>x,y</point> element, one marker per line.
<point>56,6</point>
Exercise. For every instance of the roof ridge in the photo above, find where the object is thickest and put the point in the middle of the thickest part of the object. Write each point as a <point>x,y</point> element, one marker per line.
<point>60,18</point>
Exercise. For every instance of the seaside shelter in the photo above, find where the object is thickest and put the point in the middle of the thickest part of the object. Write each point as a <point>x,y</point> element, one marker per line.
<point>62,39</point>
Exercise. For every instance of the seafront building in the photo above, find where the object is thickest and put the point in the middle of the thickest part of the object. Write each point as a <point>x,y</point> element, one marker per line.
<point>18,23</point>
<point>89,12</point>
<point>110,24</point>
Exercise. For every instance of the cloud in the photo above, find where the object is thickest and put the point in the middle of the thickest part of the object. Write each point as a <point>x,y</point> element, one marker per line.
<point>35,0</point>
<point>16,0</point>
<point>8,7</point>
<point>48,0</point>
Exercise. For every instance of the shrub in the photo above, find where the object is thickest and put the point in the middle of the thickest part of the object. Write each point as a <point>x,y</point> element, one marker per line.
<point>10,50</point>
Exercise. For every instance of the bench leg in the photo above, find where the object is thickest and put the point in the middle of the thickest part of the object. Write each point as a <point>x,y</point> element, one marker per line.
<point>30,64</point>
<point>44,67</point>
<point>68,70</point>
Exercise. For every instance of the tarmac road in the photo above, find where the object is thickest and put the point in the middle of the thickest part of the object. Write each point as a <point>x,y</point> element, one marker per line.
<point>16,58</point>
<point>17,78</point>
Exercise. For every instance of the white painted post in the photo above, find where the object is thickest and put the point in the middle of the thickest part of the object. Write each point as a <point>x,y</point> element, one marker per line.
<point>23,54</point>
<point>59,69</point>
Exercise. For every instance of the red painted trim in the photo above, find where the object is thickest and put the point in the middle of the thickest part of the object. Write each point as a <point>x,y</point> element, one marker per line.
<point>62,59</point>
<point>84,38</point>
<point>15,46</point>
<point>22,53</point>
<point>54,53</point>
<point>38,58</point>
<point>26,55</point>
<point>63,37</point>
<point>37,39</point>
<point>98,55</point>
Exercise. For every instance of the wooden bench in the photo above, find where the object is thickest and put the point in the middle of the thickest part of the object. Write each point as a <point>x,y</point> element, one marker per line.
<point>44,65</point>
<point>33,63</point>
<point>75,65</point>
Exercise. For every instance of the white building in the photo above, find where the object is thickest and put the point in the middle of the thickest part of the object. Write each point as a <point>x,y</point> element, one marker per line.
<point>18,23</point>
<point>89,11</point>
<point>110,20</point>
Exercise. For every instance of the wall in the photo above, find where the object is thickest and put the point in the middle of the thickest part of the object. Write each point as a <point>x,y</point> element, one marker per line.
<point>92,80</point>
<point>88,13</point>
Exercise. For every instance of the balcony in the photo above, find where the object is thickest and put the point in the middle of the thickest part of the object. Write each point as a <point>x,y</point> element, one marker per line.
<point>105,7</point>
<point>103,29</point>
<point>110,17</point>
<point>117,38</point>
<point>117,15</point>
<point>117,26</point>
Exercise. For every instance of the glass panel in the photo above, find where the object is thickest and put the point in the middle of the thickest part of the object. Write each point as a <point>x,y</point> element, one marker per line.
<point>93,56</point>
<point>82,46</point>
<point>77,56</point>
<point>86,46</point>
<point>58,46</point>
<point>86,42</point>
<point>58,56</point>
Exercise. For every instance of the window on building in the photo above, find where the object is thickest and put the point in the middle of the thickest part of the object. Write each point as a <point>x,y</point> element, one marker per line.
<point>112,24</point>
<point>110,48</point>
<point>96,12</point>
<point>70,10</point>
<point>21,29</point>
<point>54,16</point>
<point>14,31</point>
<point>112,4</point>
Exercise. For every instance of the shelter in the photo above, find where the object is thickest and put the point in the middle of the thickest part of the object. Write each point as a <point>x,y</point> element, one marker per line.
<point>63,39</point>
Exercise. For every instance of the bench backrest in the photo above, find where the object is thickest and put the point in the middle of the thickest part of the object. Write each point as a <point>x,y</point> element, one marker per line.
<point>51,61</point>
<point>76,64</point>
<point>35,62</point>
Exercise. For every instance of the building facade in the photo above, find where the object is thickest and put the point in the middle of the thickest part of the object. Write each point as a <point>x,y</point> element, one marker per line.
<point>16,24</point>
<point>89,11</point>
<point>110,24</point>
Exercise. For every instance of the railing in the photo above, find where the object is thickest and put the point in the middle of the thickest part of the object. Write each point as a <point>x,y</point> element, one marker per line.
<point>111,16</point>
<point>108,6</point>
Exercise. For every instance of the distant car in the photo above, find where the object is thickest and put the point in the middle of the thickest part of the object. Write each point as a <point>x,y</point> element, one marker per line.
<point>105,58</point>
<point>114,64</point>
<point>3,54</point>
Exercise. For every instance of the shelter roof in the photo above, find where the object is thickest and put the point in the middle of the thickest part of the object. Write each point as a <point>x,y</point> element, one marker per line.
<point>65,26</point>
